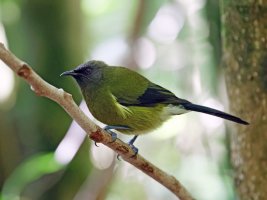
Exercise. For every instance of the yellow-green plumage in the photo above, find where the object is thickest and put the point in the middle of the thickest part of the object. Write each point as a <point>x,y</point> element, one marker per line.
<point>129,85</point>
<point>120,97</point>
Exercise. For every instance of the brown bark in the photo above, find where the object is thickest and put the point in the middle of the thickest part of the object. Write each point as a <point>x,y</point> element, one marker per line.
<point>245,61</point>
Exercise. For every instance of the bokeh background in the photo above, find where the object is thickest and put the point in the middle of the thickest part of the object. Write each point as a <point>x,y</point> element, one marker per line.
<point>175,43</point>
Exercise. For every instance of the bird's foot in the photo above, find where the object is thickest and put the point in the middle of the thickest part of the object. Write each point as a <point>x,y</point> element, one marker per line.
<point>109,129</point>
<point>134,148</point>
<point>112,133</point>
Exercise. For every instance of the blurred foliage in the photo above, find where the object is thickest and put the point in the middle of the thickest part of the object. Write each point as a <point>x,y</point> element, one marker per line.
<point>174,43</point>
<point>30,170</point>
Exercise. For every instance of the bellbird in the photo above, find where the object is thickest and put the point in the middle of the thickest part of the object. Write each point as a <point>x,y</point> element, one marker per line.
<point>128,102</point>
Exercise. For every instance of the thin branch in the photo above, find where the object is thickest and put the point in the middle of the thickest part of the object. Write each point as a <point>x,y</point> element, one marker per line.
<point>64,99</point>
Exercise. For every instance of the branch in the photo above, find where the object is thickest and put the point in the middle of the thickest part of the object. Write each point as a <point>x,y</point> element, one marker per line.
<point>65,100</point>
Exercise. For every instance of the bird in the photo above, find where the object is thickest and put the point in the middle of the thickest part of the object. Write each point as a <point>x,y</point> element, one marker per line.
<point>127,102</point>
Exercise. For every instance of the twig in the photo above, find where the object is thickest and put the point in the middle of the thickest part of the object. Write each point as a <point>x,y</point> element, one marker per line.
<point>64,99</point>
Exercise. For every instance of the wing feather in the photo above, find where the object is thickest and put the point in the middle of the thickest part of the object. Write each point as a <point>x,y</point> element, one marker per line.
<point>154,94</point>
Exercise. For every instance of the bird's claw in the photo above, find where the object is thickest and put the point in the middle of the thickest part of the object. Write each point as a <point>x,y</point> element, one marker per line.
<point>135,150</point>
<point>118,157</point>
<point>113,137</point>
<point>96,144</point>
<point>112,134</point>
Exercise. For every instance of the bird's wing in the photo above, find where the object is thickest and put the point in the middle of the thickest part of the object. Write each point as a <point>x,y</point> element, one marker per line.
<point>132,89</point>
<point>154,94</point>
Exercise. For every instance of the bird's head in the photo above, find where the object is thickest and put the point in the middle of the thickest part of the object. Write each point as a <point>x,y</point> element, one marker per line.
<point>87,73</point>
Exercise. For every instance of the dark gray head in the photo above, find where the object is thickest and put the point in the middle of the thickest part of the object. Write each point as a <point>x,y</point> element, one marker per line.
<point>86,73</point>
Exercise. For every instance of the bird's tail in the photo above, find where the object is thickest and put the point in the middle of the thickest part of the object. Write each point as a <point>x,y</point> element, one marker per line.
<point>211,111</point>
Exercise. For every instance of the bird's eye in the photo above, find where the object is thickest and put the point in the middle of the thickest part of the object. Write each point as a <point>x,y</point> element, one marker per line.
<point>84,70</point>
<point>88,71</point>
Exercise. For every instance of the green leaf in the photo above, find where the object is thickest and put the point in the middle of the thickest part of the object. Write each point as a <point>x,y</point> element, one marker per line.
<point>29,171</point>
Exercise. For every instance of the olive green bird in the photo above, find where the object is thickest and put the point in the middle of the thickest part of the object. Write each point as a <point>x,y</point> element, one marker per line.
<point>128,102</point>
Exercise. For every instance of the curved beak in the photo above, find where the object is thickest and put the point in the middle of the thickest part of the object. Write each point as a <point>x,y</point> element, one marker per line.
<point>69,73</point>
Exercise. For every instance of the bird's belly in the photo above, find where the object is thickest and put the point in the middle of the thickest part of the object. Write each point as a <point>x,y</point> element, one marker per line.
<point>139,119</point>
<point>145,119</point>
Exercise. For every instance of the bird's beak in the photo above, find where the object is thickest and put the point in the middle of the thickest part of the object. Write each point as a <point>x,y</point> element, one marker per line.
<point>69,73</point>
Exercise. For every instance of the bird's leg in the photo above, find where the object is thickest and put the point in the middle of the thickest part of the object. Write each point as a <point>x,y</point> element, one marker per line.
<point>132,146</point>
<point>109,128</point>
<point>130,143</point>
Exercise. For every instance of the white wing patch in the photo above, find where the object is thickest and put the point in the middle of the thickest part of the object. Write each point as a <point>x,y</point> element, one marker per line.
<point>170,110</point>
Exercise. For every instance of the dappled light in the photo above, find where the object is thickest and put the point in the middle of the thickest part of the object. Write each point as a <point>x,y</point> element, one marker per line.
<point>6,75</point>
<point>166,41</point>
<point>112,50</point>
<point>144,53</point>
<point>166,25</point>
<point>102,157</point>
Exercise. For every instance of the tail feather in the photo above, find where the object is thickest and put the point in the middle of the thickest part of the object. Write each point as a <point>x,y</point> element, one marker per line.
<point>211,111</point>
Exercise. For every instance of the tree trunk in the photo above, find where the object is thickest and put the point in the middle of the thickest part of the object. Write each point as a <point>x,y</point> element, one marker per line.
<point>245,61</point>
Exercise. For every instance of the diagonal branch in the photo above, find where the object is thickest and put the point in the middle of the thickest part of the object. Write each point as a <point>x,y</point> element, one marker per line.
<point>64,99</point>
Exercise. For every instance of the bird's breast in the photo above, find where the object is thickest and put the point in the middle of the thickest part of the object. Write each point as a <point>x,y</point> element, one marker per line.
<point>104,107</point>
